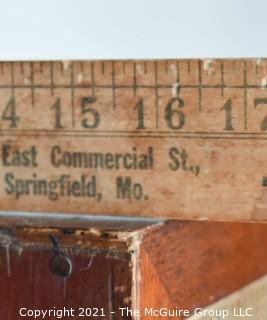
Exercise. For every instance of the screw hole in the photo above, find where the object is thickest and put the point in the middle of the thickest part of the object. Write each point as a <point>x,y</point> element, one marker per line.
<point>61,266</point>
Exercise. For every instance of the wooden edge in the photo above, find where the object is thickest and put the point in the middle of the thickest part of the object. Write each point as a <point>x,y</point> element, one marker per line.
<point>62,220</point>
<point>249,301</point>
<point>194,264</point>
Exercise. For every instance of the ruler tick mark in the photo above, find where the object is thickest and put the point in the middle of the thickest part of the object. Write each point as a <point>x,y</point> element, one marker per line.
<point>245,95</point>
<point>12,80</point>
<point>52,77</point>
<point>200,85</point>
<point>41,67</point>
<point>93,78</point>
<point>62,68</point>
<point>72,94</point>
<point>222,79</point>
<point>134,79</point>
<point>188,66</point>
<point>166,66</point>
<point>234,65</point>
<point>21,67</point>
<point>32,84</point>
<point>156,93</point>
<point>113,85</point>
<point>177,71</point>
<point>81,67</point>
<point>145,67</point>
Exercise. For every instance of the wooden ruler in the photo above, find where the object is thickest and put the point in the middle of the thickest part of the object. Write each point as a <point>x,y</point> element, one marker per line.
<point>174,139</point>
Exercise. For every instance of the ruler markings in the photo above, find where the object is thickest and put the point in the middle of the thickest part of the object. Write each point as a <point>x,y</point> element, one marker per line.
<point>32,84</point>
<point>22,67</point>
<point>245,96</point>
<point>81,67</point>
<point>156,93</point>
<point>51,78</point>
<point>139,86</point>
<point>41,67</point>
<point>140,154</point>
<point>134,79</point>
<point>156,86</point>
<point>178,72</point>
<point>72,94</point>
<point>141,135</point>
<point>188,66</point>
<point>93,84</point>
<point>222,79</point>
<point>145,67</point>
<point>12,77</point>
<point>135,132</point>
<point>62,69</point>
<point>200,85</point>
<point>166,67</point>
<point>234,65</point>
<point>103,67</point>
<point>113,85</point>
<point>256,67</point>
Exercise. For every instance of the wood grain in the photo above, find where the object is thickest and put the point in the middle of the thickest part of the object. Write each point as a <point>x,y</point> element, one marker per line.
<point>193,264</point>
<point>98,280</point>
<point>121,137</point>
<point>251,300</point>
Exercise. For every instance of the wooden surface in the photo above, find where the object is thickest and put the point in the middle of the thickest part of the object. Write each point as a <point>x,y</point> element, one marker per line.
<point>121,137</point>
<point>100,278</point>
<point>180,264</point>
<point>192,265</point>
<point>249,300</point>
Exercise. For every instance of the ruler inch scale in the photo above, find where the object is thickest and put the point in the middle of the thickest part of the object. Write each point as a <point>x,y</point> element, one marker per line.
<point>174,139</point>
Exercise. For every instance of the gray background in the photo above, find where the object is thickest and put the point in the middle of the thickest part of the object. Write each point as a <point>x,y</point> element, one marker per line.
<point>103,29</point>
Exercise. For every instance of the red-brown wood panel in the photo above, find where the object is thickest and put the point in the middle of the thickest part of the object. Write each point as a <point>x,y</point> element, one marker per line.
<point>26,281</point>
<point>193,264</point>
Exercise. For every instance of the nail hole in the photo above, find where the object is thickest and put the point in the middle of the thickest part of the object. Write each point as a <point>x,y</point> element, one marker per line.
<point>61,266</point>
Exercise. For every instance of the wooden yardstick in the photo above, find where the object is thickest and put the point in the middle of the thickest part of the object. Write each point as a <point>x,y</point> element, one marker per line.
<point>174,139</point>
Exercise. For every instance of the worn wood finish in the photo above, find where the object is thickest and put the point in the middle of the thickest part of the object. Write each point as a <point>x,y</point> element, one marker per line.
<point>194,264</point>
<point>74,221</point>
<point>248,302</point>
<point>119,137</point>
<point>179,264</point>
<point>99,280</point>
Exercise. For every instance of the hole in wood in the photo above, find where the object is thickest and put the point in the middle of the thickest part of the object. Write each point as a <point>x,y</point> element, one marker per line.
<point>61,266</point>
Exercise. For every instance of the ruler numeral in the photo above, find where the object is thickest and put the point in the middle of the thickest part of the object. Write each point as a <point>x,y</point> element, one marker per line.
<point>173,109</point>
<point>58,114</point>
<point>227,107</point>
<point>140,113</point>
<point>9,113</point>
<point>85,110</point>
<point>88,110</point>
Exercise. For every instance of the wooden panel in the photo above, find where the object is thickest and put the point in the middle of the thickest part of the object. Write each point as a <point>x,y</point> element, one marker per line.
<point>193,264</point>
<point>249,302</point>
<point>121,137</point>
<point>99,278</point>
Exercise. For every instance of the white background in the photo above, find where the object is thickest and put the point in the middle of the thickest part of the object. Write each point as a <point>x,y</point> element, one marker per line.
<point>104,29</point>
